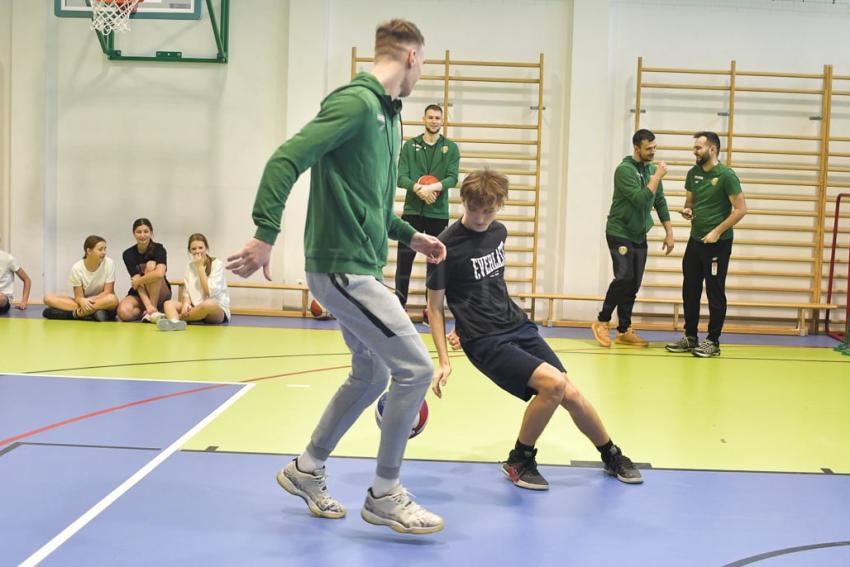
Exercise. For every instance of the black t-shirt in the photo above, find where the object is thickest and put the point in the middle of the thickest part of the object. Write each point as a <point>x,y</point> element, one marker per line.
<point>135,260</point>
<point>473,277</point>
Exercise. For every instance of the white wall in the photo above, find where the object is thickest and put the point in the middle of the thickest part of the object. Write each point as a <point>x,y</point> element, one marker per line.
<point>93,144</point>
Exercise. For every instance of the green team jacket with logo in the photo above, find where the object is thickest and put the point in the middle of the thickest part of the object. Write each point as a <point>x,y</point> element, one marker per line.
<point>352,146</point>
<point>414,163</point>
<point>711,191</point>
<point>630,216</point>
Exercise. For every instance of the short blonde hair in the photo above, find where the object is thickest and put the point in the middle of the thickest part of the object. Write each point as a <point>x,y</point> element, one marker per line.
<point>485,188</point>
<point>395,37</point>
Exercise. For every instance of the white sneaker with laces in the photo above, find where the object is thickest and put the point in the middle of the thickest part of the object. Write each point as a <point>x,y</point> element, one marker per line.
<point>164,324</point>
<point>312,488</point>
<point>397,511</point>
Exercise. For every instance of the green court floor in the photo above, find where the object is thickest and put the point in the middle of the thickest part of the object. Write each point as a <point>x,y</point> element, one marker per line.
<point>757,408</point>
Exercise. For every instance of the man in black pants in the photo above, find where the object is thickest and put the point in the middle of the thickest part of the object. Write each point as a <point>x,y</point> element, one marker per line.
<point>637,190</point>
<point>714,204</point>
<point>426,205</point>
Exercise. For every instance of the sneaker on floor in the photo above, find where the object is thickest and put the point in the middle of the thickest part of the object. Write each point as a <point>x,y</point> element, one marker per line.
<point>601,333</point>
<point>685,344</point>
<point>397,511</point>
<point>621,467</point>
<point>164,324</point>
<point>707,349</point>
<point>522,471</point>
<point>57,314</point>
<point>312,488</point>
<point>102,315</point>
<point>425,320</point>
<point>630,338</point>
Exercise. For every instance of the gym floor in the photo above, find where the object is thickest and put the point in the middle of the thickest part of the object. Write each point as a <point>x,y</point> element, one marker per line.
<point>123,445</point>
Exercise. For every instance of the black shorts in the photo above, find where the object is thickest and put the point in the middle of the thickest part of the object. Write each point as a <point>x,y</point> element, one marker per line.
<point>5,308</point>
<point>162,297</point>
<point>509,359</point>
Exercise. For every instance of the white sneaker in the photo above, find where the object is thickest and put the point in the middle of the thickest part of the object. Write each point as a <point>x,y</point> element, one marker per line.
<point>312,488</point>
<point>396,510</point>
<point>164,324</point>
<point>152,317</point>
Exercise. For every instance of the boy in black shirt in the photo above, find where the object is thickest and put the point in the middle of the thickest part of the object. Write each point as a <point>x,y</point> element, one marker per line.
<point>499,339</point>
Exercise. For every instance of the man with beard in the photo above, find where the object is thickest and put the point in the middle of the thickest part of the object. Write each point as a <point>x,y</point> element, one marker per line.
<point>426,205</point>
<point>714,204</point>
<point>637,190</point>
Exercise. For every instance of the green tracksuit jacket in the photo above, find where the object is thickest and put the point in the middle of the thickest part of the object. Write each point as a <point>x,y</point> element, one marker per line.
<point>352,146</point>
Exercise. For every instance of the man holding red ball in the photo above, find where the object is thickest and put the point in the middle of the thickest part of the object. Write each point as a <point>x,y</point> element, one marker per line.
<point>427,168</point>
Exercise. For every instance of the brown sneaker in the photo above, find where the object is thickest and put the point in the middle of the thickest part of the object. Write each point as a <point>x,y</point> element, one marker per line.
<point>601,333</point>
<point>630,338</point>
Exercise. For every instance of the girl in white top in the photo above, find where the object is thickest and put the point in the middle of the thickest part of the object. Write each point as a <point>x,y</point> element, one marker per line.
<point>93,282</point>
<point>205,296</point>
<point>9,267</point>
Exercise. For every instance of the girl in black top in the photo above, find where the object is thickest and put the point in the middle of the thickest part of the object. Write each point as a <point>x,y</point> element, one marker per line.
<point>146,263</point>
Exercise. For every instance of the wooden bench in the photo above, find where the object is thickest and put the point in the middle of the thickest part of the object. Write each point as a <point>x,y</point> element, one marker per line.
<point>282,312</point>
<point>678,324</point>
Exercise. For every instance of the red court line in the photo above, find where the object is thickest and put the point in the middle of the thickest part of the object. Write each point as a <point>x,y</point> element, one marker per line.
<point>69,421</point>
<point>247,380</point>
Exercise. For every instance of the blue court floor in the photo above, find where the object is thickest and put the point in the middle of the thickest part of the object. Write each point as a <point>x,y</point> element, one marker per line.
<point>95,476</point>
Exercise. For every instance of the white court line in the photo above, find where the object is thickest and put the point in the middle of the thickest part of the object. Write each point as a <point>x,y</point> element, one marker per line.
<point>95,510</point>
<point>298,385</point>
<point>118,378</point>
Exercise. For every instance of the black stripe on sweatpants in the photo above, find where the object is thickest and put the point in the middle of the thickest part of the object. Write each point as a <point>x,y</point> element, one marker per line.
<point>369,315</point>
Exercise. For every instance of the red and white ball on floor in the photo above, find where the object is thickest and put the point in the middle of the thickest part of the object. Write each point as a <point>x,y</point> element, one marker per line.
<point>418,424</point>
<point>319,312</point>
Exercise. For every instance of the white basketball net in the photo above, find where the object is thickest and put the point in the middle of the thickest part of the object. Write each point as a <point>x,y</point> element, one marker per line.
<point>112,15</point>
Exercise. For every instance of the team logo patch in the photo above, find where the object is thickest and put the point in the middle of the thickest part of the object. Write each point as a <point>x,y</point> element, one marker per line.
<point>381,118</point>
<point>623,250</point>
<point>445,149</point>
<point>715,181</point>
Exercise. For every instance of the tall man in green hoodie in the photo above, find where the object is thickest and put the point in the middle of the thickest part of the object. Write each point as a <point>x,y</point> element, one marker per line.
<point>426,206</point>
<point>352,146</point>
<point>637,189</point>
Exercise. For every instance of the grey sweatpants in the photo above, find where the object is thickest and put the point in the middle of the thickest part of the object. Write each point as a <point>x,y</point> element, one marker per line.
<point>384,344</point>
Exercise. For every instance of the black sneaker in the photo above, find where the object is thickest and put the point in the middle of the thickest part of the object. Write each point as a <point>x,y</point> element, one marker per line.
<point>521,469</point>
<point>623,468</point>
<point>57,314</point>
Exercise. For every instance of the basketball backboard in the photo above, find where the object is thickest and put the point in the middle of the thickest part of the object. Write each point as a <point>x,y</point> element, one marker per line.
<point>151,9</point>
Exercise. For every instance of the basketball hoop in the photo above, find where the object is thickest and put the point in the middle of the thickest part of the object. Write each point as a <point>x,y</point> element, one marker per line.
<point>112,15</point>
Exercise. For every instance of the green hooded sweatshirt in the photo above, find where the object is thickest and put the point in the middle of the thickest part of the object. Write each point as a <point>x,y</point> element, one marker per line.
<point>631,207</point>
<point>417,159</point>
<point>352,146</point>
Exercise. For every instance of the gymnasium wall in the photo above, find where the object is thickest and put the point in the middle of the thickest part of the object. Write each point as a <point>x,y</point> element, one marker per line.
<point>93,144</point>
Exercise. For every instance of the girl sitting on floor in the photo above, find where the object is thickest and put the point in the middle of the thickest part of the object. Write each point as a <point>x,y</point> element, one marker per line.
<point>93,282</point>
<point>205,297</point>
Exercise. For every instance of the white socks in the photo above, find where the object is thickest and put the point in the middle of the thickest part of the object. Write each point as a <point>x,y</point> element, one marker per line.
<point>383,486</point>
<point>307,463</point>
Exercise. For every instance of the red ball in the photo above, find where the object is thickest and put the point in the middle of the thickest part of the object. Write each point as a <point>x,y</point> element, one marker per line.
<point>427,180</point>
<point>418,423</point>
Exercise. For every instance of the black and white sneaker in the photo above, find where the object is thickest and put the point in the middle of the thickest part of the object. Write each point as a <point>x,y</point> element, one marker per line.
<point>621,467</point>
<point>707,349</point>
<point>521,469</point>
<point>685,344</point>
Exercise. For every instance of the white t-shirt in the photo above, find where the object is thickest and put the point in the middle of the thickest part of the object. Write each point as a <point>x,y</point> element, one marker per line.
<point>92,282</point>
<point>215,281</point>
<point>8,267</point>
